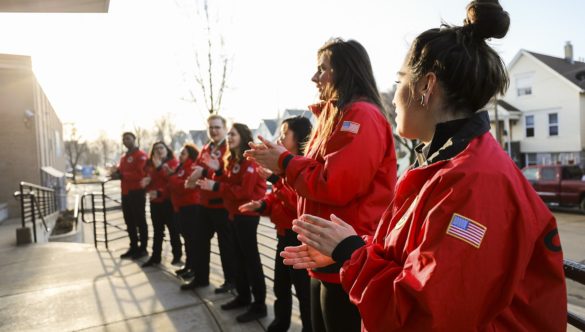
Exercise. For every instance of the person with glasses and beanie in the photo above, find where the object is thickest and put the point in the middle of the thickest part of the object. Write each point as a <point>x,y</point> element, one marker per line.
<point>466,244</point>
<point>131,171</point>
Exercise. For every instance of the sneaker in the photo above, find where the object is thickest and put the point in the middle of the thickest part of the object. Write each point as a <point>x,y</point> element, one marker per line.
<point>128,254</point>
<point>235,304</point>
<point>151,262</point>
<point>193,284</point>
<point>139,254</point>
<point>224,288</point>
<point>176,261</point>
<point>187,275</point>
<point>255,311</point>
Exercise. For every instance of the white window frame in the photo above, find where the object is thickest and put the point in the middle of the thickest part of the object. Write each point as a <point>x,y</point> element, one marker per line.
<point>524,84</point>
<point>553,124</point>
<point>526,126</point>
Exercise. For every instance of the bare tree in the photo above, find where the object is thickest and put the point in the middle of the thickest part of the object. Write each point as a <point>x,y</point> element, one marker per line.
<point>164,128</point>
<point>211,62</point>
<point>75,149</point>
<point>143,137</point>
<point>106,146</point>
<point>403,145</point>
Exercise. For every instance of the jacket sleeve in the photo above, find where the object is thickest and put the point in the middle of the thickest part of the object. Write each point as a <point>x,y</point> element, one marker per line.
<point>347,170</point>
<point>269,201</point>
<point>445,283</point>
<point>287,197</point>
<point>243,190</point>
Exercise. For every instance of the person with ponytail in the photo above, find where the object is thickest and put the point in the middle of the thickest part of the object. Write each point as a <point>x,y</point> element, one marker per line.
<point>237,183</point>
<point>349,168</point>
<point>466,244</point>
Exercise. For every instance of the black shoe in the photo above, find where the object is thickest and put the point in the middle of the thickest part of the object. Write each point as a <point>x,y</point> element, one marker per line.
<point>139,254</point>
<point>193,284</point>
<point>151,262</point>
<point>187,275</point>
<point>235,304</point>
<point>181,271</point>
<point>256,311</point>
<point>226,287</point>
<point>277,326</point>
<point>176,260</point>
<point>128,254</point>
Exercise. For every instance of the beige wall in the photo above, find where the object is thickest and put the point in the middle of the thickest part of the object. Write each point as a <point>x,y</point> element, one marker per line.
<point>29,142</point>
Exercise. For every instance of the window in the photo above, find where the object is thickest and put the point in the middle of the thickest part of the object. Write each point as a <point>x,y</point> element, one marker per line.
<point>553,124</point>
<point>529,122</point>
<point>524,84</point>
<point>530,173</point>
<point>531,159</point>
<point>572,173</point>
<point>548,173</point>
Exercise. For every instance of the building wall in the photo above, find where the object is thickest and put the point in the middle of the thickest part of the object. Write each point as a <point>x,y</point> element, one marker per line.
<point>30,131</point>
<point>550,94</point>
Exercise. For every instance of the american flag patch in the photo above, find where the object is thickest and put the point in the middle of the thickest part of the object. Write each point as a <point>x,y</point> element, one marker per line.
<point>350,126</point>
<point>250,169</point>
<point>467,230</point>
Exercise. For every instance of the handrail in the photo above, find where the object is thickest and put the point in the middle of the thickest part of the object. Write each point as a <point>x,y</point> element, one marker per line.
<point>575,271</point>
<point>36,186</point>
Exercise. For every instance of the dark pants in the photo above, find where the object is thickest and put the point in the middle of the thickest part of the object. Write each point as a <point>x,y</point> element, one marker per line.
<point>214,220</point>
<point>162,214</point>
<point>133,209</point>
<point>284,277</point>
<point>249,267</point>
<point>331,309</point>
<point>188,218</point>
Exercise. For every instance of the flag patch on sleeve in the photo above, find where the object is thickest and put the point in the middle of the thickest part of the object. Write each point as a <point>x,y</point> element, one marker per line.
<point>467,230</point>
<point>250,169</point>
<point>350,126</point>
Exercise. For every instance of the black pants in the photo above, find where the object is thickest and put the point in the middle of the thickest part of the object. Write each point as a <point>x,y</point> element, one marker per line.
<point>249,267</point>
<point>285,277</point>
<point>211,221</point>
<point>162,215</point>
<point>331,310</point>
<point>188,218</point>
<point>133,209</point>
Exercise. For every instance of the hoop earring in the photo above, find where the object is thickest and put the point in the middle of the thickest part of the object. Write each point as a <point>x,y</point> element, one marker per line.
<point>422,100</point>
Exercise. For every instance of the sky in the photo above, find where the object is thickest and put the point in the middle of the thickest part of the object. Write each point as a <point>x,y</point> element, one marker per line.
<point>108,73</point>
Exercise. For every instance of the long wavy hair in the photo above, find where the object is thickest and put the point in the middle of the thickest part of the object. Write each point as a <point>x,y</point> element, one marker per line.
<point>245,137</point>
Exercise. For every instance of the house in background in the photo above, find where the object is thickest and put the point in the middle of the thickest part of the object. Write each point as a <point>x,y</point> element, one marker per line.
<point>503,117</point>
<point>550,93</point>
<point>30,132</point>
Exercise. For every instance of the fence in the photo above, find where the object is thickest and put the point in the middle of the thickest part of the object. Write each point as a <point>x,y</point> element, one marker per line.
<point>36,202</point>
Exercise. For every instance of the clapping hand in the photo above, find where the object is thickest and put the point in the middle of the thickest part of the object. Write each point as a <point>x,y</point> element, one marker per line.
<point>266,154</point>
<point>252,206</point>
<point>206,184</point>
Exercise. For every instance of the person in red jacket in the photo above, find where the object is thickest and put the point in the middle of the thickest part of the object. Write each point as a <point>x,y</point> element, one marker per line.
<point>466,244</point>
<point>131,171</point>
<point>238,183</point>
<point>213,217</point>
<point>158,168</point>
<point>187,202</point>
<point>349,168</point>
<point>280,205</point>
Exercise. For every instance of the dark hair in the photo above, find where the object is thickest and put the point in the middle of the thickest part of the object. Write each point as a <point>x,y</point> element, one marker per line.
<point>353,76</point>
<point>245,138</point>
<point>467,68</point>
<point>192,151</point>
<point>129,133</point>
<point>301,128</point>
<point>170,154</point>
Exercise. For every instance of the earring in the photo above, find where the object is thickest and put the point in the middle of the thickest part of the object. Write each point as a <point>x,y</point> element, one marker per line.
<point>422,100</point>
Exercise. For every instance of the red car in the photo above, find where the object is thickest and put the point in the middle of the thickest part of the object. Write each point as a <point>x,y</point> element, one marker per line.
<point>558,184</point>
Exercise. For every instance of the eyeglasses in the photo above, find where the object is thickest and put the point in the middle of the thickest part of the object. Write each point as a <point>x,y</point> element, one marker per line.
<point>215,127</point>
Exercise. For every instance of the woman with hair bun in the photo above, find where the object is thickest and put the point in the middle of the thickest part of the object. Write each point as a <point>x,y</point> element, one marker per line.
<point>466,244</point>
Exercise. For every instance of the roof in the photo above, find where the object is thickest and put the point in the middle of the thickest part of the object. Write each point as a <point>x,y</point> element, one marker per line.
<point>271,125</point>
<point>507,106</point>
<point>574,72</point>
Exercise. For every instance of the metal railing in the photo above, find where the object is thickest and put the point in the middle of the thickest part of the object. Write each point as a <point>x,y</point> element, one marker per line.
<point>576,272</point>
<point>35,202</point>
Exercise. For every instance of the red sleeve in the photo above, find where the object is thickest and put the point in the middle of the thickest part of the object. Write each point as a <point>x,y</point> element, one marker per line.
<point>269,200</point>
<point>245,189</point>
<point>445,283</point>
<point>350,164</point>
<point>287,197</point>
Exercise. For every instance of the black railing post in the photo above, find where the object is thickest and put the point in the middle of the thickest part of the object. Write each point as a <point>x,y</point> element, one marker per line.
<point>22,216</point>
<point>104,213</point>
<point>34,221</point>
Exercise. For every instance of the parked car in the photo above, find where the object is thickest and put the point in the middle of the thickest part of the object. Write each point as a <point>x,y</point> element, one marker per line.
<point>558,184</point>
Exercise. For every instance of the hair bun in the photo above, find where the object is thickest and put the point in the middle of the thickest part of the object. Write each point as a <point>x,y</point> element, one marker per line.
<point>487,19</point>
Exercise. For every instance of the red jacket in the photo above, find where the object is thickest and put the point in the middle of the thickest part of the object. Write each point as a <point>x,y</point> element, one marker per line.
<point>159,180</point>
<point>354,179</point>
<point>421,272</point>
<point>131,169</point>
<point>281,206</point>
<point>181,196</point>
<point>211,199</point>
<point>238,184</point>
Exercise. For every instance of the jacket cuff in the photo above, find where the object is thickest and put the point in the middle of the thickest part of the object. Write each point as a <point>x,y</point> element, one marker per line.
<point>219,172</point>
<point>262,207</point>
<point>346,248</point>
<point>216,186</point>
<point>273,178</point>
<point>284,159</point>
<point>204,173</point>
